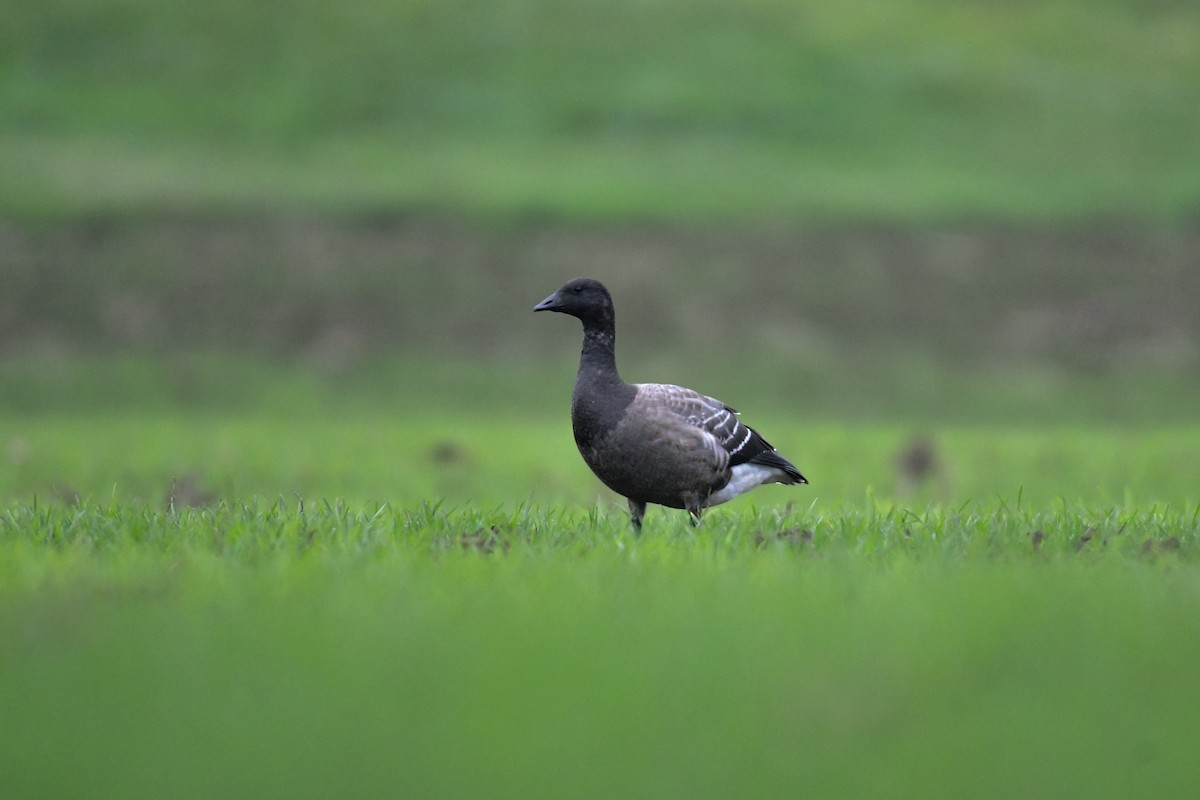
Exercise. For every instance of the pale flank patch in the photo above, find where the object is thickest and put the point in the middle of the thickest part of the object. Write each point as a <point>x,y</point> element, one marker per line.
<point>745,477</point>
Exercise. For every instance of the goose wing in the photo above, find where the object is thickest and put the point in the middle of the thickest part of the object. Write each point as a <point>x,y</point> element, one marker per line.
<point>739,441</point>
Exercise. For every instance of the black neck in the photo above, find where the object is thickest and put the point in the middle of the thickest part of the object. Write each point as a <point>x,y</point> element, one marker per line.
<point>600,398</point>
<point>599,356</point>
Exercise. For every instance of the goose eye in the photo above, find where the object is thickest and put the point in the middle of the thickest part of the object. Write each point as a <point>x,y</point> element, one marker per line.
<point>578,290</point>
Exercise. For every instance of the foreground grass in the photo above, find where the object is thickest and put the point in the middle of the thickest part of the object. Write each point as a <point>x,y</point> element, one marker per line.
<point>449,606</point>
<point>255,534</point>
<point>264,650</point>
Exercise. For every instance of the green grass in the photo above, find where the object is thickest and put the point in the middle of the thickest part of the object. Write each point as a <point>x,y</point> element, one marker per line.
<point>504,461</point>
<point>400,579</point>
<point>451,606</point>
<point>260,650</point>
<point>590,181</point>
<point>915,110</point>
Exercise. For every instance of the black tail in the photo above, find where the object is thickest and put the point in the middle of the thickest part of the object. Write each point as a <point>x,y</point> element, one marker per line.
<point>771,458</point>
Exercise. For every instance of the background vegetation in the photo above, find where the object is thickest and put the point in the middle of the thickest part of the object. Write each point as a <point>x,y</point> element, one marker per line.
<point>914,110</point>
<point>289,504</point>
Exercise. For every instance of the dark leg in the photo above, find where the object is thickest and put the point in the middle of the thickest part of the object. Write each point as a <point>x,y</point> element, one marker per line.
<point>637,510</point>
<point>694,509</point>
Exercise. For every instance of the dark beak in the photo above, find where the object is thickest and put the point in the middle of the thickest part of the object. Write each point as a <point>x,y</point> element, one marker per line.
<point>551,303</point>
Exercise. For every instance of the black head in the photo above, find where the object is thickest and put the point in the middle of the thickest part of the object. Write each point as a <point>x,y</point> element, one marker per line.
<point>585,298</point>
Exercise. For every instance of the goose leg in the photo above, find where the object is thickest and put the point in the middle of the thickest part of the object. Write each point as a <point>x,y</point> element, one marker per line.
<point>637,510</point>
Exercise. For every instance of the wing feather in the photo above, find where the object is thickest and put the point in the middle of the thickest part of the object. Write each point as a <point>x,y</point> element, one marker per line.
<point>741,442</point>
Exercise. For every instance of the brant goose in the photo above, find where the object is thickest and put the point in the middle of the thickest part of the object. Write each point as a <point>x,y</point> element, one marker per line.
<point>653,442</point>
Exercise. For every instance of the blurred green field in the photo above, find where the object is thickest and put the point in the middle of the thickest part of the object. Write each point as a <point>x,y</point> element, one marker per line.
<point>289,502</point>
<point>481,463</point>
<point>789,311</point>
<point>300,604</point>
<point>918,110</point>
<point>267,650</point>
